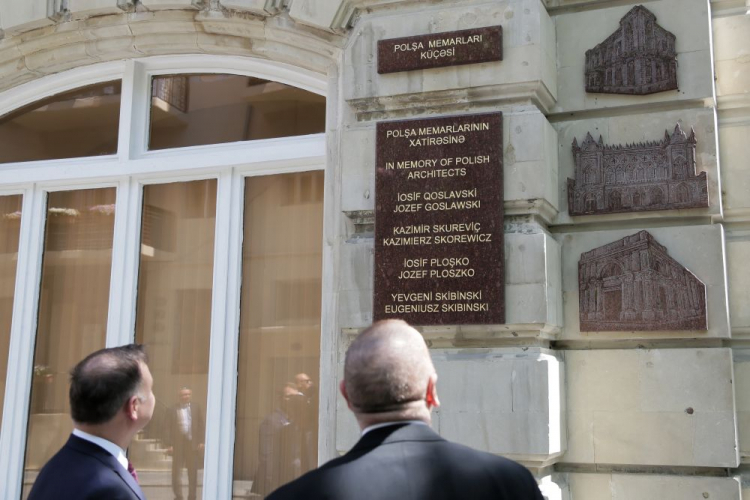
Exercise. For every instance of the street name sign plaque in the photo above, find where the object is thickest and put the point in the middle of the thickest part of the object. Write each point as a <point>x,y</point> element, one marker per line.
<point>438,50</point>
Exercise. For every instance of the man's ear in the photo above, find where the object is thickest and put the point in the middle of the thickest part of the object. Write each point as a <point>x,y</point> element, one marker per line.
<point>431,398</point>
<point>131,407</point>
<point>342,388</point>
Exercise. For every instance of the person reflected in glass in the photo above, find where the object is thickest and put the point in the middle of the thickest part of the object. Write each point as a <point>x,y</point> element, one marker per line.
<point>306,420</point>
<point>185,431</point>
<point>304,384</point>
<point>280,442</point>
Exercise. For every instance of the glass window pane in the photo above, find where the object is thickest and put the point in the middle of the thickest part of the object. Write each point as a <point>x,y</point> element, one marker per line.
<point>174,321</point>
<point>72,311</point>
<point>192,110</point>
<point>82,122</point>
<point>10,229</point>
<point>279,348</point>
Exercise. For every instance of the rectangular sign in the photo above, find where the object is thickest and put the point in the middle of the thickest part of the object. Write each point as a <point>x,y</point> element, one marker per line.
<point>439,255</point>
<point>452,48</point>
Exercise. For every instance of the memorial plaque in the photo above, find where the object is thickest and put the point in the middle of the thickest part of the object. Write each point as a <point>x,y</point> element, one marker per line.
<point>439,221</point>
<point>639,58</point>
<point>633,284</point>
<point>452,48</point>
<point>657,175</point>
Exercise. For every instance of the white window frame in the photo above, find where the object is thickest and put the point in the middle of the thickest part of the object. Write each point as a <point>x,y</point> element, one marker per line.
<point>132,168</point>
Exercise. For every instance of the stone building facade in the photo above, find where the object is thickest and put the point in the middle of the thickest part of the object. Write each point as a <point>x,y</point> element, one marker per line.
<point>623,414</point>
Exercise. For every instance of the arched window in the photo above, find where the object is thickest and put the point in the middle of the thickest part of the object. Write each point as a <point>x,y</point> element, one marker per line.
<point>636,199</point>
<point>191,218</point>
<point>76,123</point>
<point>611,270</point>
<point>680,168</point>
<point>630,173</point>
<point>682,194</point>
<point>639,174</point>
<point>589,175</point>
<point>589,202</point>
<point>615,200</point>
<point>657,196</point>
<point>609,175</point>
<point>194,110</point>
<point>631,73</point>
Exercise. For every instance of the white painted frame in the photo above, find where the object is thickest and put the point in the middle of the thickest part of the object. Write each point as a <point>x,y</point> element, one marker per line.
<point>132,168</point>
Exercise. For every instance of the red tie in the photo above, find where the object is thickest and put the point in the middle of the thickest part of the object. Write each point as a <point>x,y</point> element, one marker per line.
<point>132,471</point>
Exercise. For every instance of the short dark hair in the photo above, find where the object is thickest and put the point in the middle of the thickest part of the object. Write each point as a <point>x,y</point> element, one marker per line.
<point>102,383</point>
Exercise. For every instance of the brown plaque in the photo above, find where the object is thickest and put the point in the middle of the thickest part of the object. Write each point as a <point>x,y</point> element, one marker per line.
<point>452,48</point>
<point>639,58</point>
<point>439,221</point>
<point>633,284</point>
<point>657,175</point>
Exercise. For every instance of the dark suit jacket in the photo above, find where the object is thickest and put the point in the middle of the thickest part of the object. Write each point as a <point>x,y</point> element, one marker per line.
<point>412,462</point>
<point>82,470</point>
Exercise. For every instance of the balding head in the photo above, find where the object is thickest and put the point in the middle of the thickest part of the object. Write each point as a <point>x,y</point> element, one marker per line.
<point>388,374</point>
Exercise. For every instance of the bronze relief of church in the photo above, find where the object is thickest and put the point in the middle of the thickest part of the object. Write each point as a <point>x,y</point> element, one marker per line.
<point>633,284</point>
<point>640,177</point>
<point>639,58</point>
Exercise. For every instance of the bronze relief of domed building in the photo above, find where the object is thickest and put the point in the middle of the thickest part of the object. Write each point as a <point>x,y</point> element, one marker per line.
<point>633,284</point>
<point>639,177</point>
<point>639,58</point>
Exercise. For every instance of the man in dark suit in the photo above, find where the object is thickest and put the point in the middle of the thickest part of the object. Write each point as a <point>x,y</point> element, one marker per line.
<point>110,401</point>
<point>185,442</point>
<point>390,386</point>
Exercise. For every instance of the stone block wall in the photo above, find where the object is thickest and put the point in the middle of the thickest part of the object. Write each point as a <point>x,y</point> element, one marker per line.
<point>731,29</point>
<point>502,389</point>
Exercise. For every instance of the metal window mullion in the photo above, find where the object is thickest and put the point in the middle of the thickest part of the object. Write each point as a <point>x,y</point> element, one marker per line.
<point>225,323</point>
<point>22,342</point>
<point>125,260</point>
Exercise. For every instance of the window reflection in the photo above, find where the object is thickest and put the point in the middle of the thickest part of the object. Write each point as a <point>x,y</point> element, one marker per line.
<point>72,311</point>
<point>193,110</point>
<point>10,228</point>
<point>279,350</point>
<point>174,321</point>
<point>82,122</point>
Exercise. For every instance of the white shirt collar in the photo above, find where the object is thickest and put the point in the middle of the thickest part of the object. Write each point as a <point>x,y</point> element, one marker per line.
<point>109,446</point>
<point>386,424</point>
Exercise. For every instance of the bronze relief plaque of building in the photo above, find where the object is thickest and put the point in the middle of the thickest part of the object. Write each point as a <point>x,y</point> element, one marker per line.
<point>633,284</point>
<point>439,220</point>
<point>452,48</point>
<point>639,58</point>
<point>657,175</point>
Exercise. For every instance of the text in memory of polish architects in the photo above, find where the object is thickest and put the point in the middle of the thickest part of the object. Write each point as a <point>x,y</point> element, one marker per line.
<point>438,50</point>
<point>439,221</point>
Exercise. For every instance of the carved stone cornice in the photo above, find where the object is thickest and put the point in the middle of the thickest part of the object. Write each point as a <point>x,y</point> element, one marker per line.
<point>453,100</point>
<point>75,43</point>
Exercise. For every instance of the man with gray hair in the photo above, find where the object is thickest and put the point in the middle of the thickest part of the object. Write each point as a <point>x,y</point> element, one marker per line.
<point>390,386</point>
